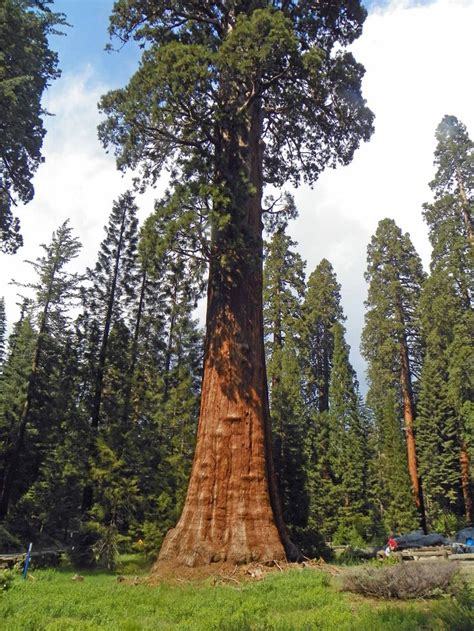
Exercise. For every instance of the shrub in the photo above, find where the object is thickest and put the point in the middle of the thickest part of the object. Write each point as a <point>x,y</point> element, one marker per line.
<point>150,542</point>
<point>6,580</point>
<point>351,556</point>
<point>81,552</point>
<point>404,580</point>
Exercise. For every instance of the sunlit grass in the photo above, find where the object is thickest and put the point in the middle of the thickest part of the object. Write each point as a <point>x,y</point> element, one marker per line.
<point>299,600</point>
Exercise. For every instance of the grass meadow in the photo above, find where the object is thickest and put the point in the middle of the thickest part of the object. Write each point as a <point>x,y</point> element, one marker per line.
<point>299,600</point>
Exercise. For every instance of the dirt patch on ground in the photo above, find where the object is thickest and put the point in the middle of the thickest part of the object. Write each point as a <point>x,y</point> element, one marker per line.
<point>229,574</point>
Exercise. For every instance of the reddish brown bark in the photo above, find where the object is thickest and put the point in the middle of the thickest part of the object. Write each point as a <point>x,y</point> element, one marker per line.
<point>465,208</point>
<point>409,418</point>
<point>466,483</point>
<point>232,511</point>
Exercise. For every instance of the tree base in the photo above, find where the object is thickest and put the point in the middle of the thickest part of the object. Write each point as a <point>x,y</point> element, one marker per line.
<point>183,549</point>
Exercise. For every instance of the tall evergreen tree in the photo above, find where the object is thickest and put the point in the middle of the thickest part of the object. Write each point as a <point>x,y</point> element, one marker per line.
<point>397,508</point>
<point>391,340</point>
<point>226,84</point>
<point>13,384</point>
<point>322,309</point>
<point>3,331</point>
<point>283,290</point>
<point>348,447</point>
<point>164,389</point>
<point>54,289</point>
<point>449,216</point>
<point>27,67</point>
<point>113,284</point>
<point>105,331</point>
<point>437,426</point>
<point>447,320</point>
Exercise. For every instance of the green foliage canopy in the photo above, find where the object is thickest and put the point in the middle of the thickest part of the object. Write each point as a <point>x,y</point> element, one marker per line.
<point>27,66</point>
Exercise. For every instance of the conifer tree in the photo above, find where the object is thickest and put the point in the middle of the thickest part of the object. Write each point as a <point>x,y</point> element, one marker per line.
<point>391,340</point>
<point>219,88</point>
<point>54,289</point>
<point>27,67</point>
<point>283,290</point>
<point>397,507</point>
<point>113,284</point>
<point>13,384</point>
<point>321,311</point>
<point>3,331</point>
<point>348,447</point>
<point>447,330</point>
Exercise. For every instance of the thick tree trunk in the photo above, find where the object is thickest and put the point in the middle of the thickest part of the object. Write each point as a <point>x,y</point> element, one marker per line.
<point>409,418</point>
<point>466,483</point>
<point>232,511</point>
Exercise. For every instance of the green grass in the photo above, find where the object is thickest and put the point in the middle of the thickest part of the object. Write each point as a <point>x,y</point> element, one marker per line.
<point>296,600</point>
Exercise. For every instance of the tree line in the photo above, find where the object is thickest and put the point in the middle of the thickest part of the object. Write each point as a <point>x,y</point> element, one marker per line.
<point>100,382</point>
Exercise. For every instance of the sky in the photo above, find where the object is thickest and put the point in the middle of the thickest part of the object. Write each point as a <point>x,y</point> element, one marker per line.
<point>418,60</point>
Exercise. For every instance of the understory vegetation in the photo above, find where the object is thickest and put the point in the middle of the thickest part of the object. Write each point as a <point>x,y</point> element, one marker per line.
<point>297,599</point>
<point>100,376</point>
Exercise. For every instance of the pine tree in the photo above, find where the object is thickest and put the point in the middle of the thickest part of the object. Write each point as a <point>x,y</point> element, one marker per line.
<point>447,316</point>
<point>449,217</point>
<point>391,340</point>
<point>13,385</point>
<point>27,66</point>
<point>283,290</point>
<point>321,311</point>
<point>113,284</point>
<point>228,82</point>
<point>397,507</point>
<point>348,447</point>
<point>50,505</point>
<point>54,289</point>
<point>3,331</point>
<point>445,388</point>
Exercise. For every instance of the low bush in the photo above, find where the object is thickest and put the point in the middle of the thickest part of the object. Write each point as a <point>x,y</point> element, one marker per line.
<point>6,580</point>
<point>353,556</point>
<point>403,581</point>
<point>81,551</point>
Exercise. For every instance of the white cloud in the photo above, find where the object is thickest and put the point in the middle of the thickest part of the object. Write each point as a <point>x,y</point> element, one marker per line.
<point>78,181</point>
<point>418,61</point>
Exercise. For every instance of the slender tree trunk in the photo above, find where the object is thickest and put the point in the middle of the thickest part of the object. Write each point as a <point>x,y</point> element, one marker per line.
<point>87,494</point>
<point>323,371</point>
<point>232,511</point>
<point>466,483</point>
<point>133,359</point>
<point>169,345</point>
<point>409,418</point>
<point>95,416</point>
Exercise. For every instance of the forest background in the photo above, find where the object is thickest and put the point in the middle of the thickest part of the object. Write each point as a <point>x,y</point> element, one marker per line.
<point>416,56</point>
<point>111,402</point>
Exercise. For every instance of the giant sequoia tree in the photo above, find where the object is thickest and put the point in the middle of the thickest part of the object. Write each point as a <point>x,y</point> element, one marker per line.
<point>391,340</point>
<point>233,96</point>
